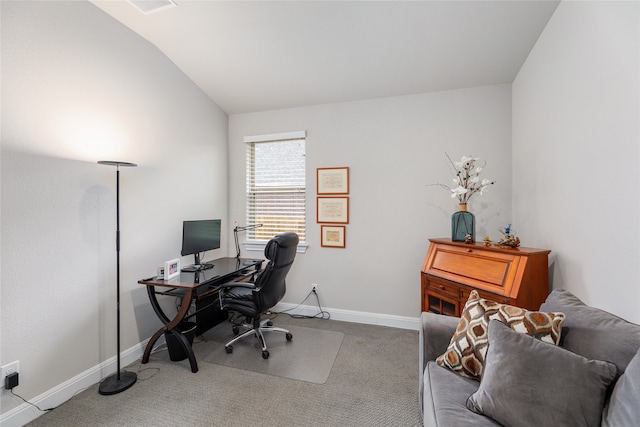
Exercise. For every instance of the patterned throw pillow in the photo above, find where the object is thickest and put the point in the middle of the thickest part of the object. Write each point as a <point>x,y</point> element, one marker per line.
<point>468,346</point>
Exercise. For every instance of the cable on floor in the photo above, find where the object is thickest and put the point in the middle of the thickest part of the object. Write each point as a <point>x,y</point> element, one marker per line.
<point>322,314</point>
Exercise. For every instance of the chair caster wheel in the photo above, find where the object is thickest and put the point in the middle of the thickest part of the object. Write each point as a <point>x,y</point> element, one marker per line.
<point>269,323</point>
<point>229,349</point>
<point>235,330</point>
<point>265,354</point>
<point>289,336</point>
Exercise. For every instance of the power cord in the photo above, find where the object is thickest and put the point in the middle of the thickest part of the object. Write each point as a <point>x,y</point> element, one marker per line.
<point>30,403</point>
<point>322,314</point>
<point>139,370</point>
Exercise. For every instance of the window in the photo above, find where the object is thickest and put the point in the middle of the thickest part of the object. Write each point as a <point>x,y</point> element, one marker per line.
<point>276,187</point>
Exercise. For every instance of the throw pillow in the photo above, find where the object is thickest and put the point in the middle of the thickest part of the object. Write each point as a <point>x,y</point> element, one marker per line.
<point>624,409</point>
<point>592,332</point>
<point>528,382</point>
<point>465,354</point>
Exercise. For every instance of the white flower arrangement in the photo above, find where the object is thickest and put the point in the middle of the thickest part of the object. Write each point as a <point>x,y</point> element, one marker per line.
<point>466,181</point>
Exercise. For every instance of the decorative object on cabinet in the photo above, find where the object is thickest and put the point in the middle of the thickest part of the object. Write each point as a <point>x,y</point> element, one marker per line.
<point>451,270</point>
<point>332,180</point>
<point>508,239</point>
<point>466,183</point>
<point>332,210</point>
<point>463,225</point>
<point>332,236</point>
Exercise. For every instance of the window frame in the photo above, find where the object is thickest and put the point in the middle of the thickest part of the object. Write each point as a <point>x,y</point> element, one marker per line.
<point>259,245</point>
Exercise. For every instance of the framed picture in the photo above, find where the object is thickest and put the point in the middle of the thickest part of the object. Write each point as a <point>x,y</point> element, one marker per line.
<point>332,180</point>
<point>332,210</point>
<point>171,268</point>
<point>332,236</point>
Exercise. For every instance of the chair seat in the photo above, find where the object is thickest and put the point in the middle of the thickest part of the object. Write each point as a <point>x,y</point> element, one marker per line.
<point>239,294</point>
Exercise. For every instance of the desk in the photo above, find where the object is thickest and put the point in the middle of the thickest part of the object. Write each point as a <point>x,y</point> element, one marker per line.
<point>203,288</point>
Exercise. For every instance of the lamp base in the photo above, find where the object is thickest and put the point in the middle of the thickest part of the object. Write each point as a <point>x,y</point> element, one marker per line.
<point>113,385</point>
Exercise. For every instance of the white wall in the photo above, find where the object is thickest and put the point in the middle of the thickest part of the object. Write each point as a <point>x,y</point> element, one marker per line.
<point>576,151</point>
<point>394,148</point>
<point>77,87</point>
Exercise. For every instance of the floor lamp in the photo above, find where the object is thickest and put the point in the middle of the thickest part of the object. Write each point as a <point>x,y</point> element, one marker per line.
<point>120,381</point>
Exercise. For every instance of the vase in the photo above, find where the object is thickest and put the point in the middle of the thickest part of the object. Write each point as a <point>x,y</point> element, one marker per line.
<point>463,225</point>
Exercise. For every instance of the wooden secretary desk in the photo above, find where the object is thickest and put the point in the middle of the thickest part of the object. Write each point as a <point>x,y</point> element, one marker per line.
<point>451,270</point>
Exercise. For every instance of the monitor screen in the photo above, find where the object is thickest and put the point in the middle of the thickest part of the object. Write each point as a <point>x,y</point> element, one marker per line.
<point>200,236</point>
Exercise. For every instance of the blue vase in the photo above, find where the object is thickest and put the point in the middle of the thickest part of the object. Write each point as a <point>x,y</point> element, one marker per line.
<point>463,225</point>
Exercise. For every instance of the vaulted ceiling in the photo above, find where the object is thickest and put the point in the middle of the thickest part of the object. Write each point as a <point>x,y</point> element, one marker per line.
<point>250,56</point>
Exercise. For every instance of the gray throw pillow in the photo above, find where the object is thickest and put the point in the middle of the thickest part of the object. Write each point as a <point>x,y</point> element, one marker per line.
<point>529,382</point>
<point>594,333</point>
<point>624,405</point>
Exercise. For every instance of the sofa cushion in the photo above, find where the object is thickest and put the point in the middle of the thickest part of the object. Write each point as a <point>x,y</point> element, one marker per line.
<point>594,333</point>
<point>529,382</point>
<point>445,394</point>
<point>465,354</point>
<point>624,405</point>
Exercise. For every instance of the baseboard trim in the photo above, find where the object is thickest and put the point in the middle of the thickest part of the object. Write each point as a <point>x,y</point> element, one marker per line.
<point>402,322</point>
<point>24,413</point>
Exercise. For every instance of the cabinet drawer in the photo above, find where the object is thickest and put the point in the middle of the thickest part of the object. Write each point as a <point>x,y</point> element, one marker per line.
<point>486,295</point>
<point>440,287</point>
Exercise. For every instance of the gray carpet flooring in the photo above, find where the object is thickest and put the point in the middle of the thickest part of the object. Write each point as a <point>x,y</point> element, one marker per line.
<point>373,382</point>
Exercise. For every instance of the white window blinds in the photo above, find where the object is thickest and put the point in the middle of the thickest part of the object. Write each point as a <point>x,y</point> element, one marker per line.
<point>276,187</point>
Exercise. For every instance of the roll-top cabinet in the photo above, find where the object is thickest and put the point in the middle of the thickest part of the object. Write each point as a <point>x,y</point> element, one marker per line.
<point>451,270</point>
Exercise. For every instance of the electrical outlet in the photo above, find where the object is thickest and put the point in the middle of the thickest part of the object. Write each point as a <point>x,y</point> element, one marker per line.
<point>314,287</point>
<point>9,368</point>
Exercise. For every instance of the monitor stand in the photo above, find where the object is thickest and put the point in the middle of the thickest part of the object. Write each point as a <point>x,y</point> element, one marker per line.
<point>197,267</point>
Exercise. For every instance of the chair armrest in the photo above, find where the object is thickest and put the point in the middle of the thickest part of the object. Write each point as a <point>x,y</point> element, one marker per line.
<point>247,285</point>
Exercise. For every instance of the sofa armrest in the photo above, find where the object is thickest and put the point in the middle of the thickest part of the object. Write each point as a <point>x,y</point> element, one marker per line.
<point>434,337</point>
<point>435,334</point>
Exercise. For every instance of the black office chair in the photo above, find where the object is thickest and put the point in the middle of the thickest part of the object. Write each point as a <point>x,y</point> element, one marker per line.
<point>252,299</point>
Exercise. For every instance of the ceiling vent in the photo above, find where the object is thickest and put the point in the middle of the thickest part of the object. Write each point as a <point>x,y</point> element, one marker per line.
<point>152,6</point>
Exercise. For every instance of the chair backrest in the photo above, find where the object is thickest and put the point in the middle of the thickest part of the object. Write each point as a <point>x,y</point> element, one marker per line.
<point>270,285</point>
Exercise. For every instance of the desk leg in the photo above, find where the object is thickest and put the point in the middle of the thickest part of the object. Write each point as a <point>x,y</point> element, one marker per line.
<point>169,327</point>
<point>149,347</point>
<point>184,342</point>
<point>151,291</point>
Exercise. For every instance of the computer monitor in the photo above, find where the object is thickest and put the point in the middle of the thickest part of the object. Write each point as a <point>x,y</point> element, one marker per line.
<point>198,237</point>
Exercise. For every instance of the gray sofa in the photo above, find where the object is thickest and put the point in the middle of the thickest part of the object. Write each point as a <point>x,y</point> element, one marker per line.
<point>593,334</point>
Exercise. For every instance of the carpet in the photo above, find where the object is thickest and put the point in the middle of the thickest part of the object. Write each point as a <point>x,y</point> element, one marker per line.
<point>309,356</point>
<point>373,382</point>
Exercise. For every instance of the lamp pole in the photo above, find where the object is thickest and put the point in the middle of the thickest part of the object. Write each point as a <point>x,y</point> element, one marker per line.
<point>120,381</point>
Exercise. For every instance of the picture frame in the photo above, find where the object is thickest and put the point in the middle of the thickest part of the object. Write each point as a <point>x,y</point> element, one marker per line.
<point>334,210</point>
<point>332,180</point>
<point>332,236</point>
<point>171,268</point>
